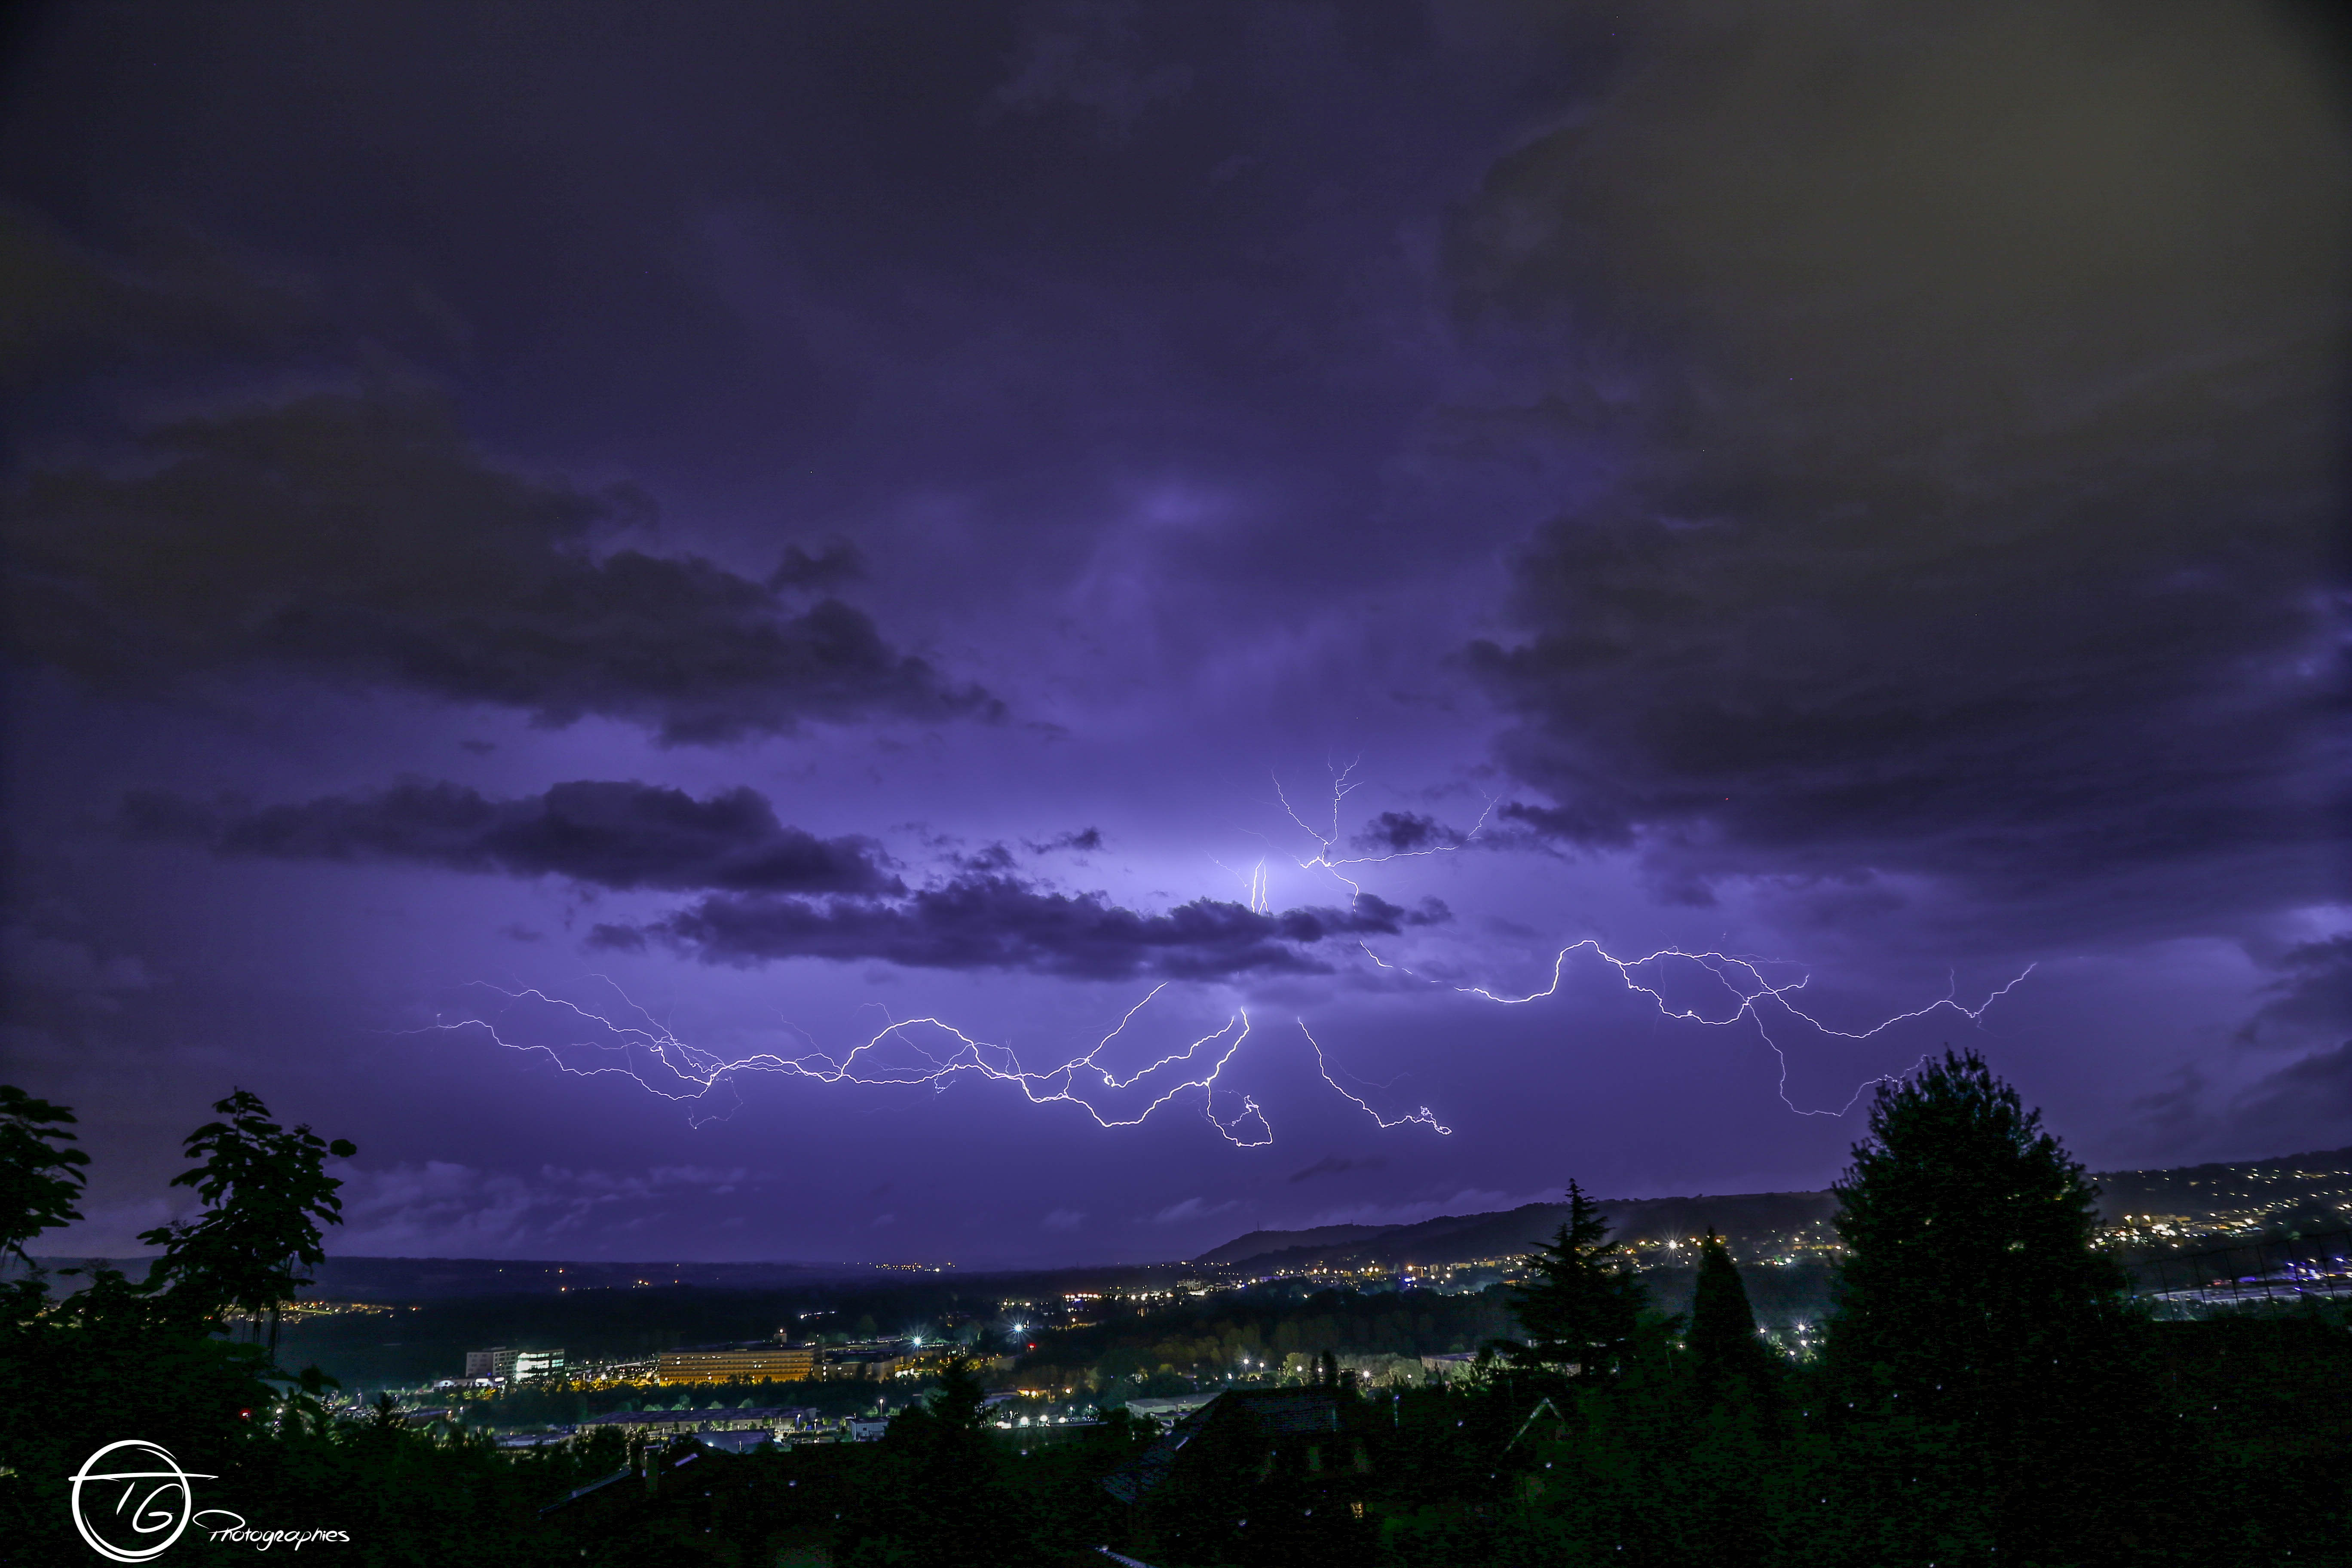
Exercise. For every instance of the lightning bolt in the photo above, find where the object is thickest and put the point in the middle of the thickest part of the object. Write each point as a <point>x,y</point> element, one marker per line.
<point>935,1054</point>
<point>1746,1000</point>
<point>1426,1117</point>
<point>1343,785</point>
<point>1748,997</point>
<point>942,1053</point>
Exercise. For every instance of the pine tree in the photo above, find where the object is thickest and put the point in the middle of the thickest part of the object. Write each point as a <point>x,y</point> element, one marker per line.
<point>1582,1305</point>
<point>1728,1356</point>
<point>959,1401</point>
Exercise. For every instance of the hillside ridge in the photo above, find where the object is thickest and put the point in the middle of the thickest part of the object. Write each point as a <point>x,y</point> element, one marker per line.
<point>1760,1221</point>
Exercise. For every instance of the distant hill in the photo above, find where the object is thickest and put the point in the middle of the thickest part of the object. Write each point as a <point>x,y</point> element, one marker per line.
<point>2303,1189</point>
<point>1259,1241</point>
<point>1466,1238</point>
<point>2308,1193</point>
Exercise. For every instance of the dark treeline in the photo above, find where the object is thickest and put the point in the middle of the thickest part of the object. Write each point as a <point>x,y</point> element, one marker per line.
<point>1986,1393</point>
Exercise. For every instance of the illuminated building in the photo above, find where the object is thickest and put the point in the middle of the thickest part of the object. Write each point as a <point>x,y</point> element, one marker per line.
<point>782,1363</point>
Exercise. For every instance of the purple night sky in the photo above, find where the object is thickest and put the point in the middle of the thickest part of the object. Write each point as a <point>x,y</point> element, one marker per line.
<point>764,522</point>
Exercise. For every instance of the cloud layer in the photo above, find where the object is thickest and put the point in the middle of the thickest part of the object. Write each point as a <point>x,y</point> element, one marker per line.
<point>1971,400</point>
<point>363,539</point>
<point>997,922</point>
<point>775,892</point>
<point>610,835</point>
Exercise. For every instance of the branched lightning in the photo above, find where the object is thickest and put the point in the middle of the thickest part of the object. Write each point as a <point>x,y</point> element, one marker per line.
<point>940,1053</point>
<point>1343,785</point>
<point>1258,899</point>
<point>1748,997</point>
<point>1425,1116</point>
<point>695,1074</point>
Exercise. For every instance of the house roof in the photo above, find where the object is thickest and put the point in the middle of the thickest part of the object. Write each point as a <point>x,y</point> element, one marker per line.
<point>1272,1412</point>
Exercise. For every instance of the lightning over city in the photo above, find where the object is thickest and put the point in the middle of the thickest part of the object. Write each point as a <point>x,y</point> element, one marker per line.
<point>1232,786</point>
<point>1026,625</point>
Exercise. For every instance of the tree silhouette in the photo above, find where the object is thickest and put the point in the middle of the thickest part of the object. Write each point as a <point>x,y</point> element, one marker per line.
<point>266,1193</point>
<point>959,1400</point>
<point>1729,1357</point>
<point>1968,1231</point>
<point>1582,1306</point>
<point>39,1180</point>
<point>1973,1304</point>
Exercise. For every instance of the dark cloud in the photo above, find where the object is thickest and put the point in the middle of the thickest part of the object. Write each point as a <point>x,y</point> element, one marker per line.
<point>1084,842</point>
<point>1960,404</point>
<point>1569,823</point>
<point>2311,999</point>
<point>612,835</point>
<point>1089,57</point>
<point>998,922</point>
<point>65,309</point>
<point>989,861</point>
<point>1336,1165</point>
<point>1399,832</point>
<point>839,562</point>
<point>363,538</point>
<point>2301,1106</point>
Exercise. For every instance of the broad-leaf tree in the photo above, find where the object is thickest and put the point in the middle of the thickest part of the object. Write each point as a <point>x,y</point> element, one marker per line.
<point>266,1193</point>
<point>40,1179</point>
<point>1968,1231</point>
<point>1972,1303</point>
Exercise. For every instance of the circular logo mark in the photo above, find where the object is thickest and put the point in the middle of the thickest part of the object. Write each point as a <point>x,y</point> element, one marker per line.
<point>132,1501</point>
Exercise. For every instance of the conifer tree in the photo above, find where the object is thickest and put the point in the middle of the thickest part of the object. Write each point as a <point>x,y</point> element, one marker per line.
<point>1582,1307</point>
<point>959,1401</point>
<point>1722,1337</point>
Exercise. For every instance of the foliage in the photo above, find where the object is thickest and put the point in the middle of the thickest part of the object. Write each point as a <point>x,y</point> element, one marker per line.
<point>266,1193</point>
<point>1973,1306</point>
<point>941,1500</point>
<point>1582,1306</point>
<point>1968,1231</point>
<point>39,1179</point>
<point>2086,1436</point>
<point>1729,1360</point>
<point>956,1403</point>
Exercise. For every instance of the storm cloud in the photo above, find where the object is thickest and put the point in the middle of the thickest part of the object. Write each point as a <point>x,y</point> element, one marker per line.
<point>2312,998</point>
<point>997,922</point>
<point>1859,484</point>
<point>610,835</point>
<point>1961,398</point>
<point>363,539</point>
